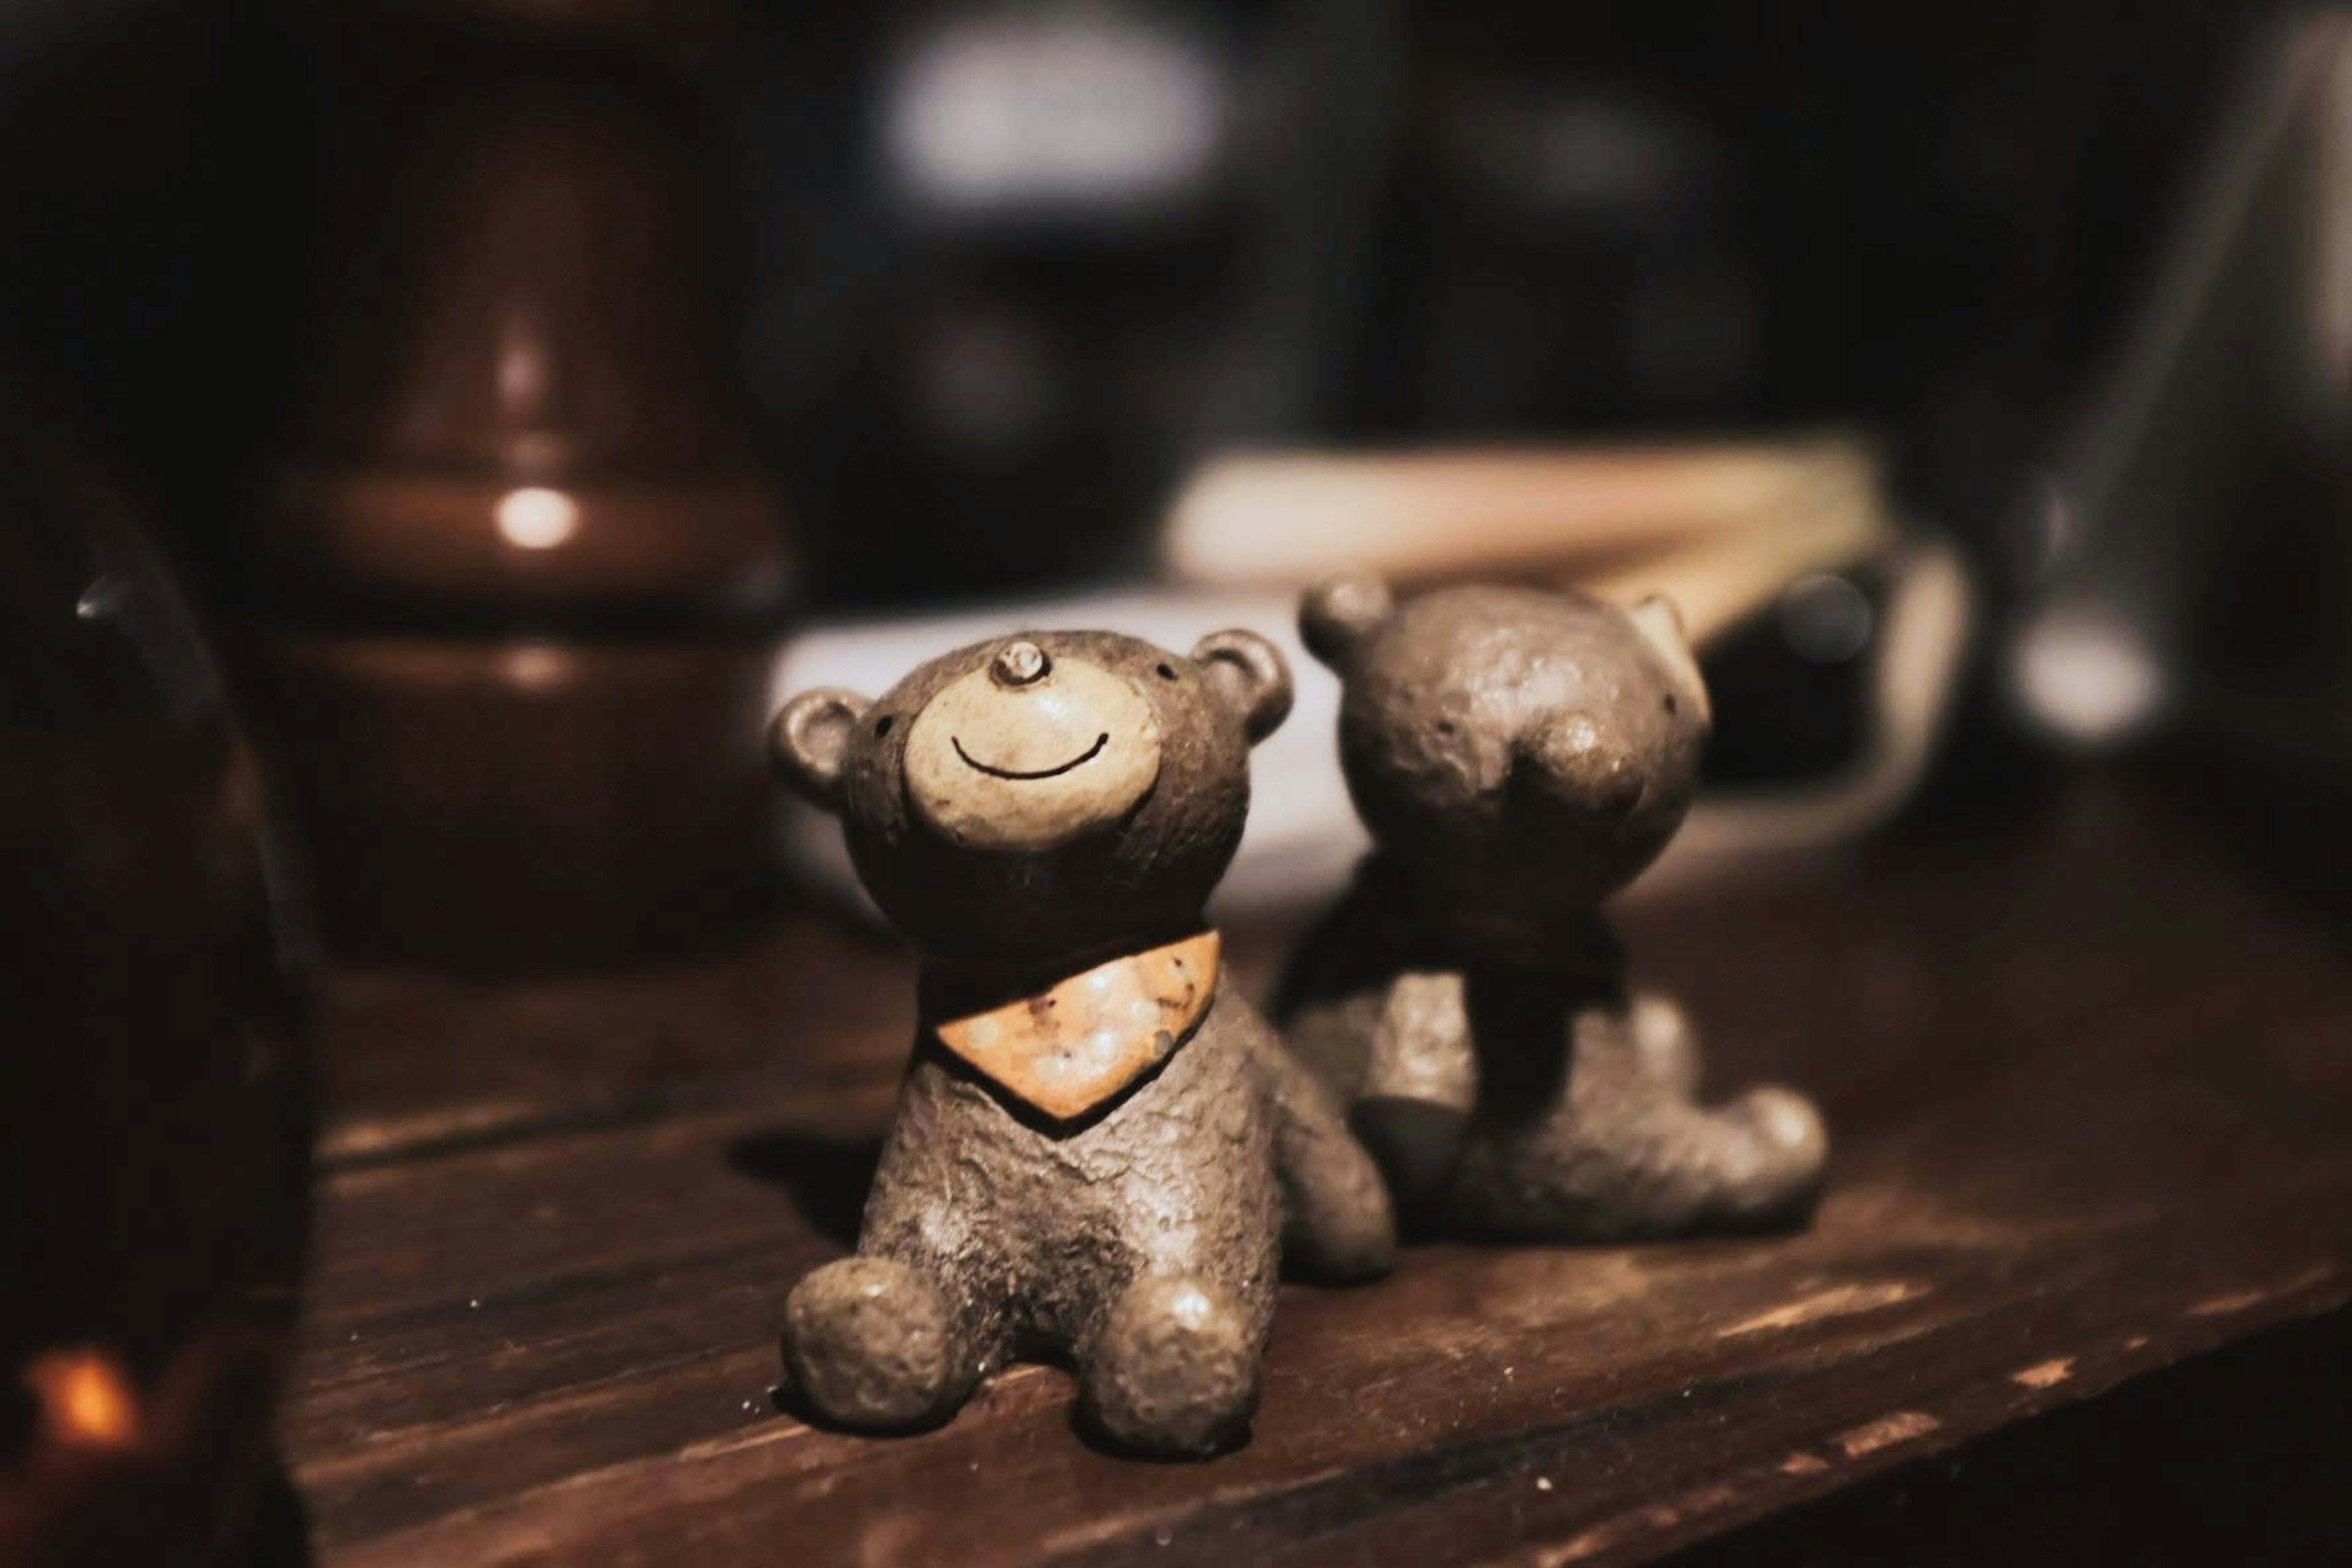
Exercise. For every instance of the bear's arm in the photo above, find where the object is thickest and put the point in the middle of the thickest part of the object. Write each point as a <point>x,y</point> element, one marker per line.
<point>1420,1084</point>
<point>1337,1222</point>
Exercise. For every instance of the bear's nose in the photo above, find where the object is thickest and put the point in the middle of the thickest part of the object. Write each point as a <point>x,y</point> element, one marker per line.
<point>1020,664</point>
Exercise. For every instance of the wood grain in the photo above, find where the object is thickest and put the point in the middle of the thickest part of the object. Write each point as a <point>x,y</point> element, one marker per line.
<point>2089,1089</point>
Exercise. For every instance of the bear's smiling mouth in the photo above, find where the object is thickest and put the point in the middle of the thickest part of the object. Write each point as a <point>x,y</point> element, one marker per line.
<point>1083,758</point>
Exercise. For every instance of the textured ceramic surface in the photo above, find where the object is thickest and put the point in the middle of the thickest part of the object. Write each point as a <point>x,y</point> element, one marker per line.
<point>1518,756</point>
<point>1135,1222</point>
<point>1073,1046</point>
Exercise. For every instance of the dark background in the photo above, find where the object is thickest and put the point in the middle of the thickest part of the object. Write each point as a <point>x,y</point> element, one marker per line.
<point>1928,218</point>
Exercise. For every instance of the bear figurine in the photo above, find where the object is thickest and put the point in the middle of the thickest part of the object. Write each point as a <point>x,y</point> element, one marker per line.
<point>1518,755</point>
<point>1100,1149</point>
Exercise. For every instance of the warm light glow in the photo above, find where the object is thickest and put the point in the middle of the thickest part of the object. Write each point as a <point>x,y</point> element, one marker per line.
<point>2087,672</point>
<point>535,667</point>
<point>537,519</point>
<point>85,1398</point>
<point>1067,108</point>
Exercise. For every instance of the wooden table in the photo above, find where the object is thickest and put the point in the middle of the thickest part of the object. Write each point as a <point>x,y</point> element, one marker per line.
<point>2090,1228</point>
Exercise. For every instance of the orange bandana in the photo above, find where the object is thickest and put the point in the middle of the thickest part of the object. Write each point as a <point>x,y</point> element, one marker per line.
<point>1067,1050</point>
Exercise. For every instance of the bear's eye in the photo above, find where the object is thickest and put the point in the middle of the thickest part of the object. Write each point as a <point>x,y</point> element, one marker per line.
<point>882,726</point>
<point>1167,673</point>
<point>1445,727</point>
<point>1671,707</point>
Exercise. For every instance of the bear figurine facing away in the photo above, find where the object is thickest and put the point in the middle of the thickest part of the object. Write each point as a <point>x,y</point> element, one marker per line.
<point>1518,756</point>
<point>1099,1148</point>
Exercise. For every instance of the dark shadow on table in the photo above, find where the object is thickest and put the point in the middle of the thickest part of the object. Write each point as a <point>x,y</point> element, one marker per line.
<point>281,1525</point>
<point>2236,1456</point>
<point>827,1177</point>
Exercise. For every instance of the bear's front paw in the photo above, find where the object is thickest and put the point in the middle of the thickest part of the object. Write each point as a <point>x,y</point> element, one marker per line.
<point>868,1341</point>
<point>1174,1370</point>
<point>1782,1146</point>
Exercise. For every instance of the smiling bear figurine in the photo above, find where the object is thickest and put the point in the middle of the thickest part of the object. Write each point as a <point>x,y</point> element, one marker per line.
<point>1518,756</point>
<point>1100,1149</point>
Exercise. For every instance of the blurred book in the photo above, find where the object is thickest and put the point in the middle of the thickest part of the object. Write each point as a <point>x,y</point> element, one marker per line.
<point>1720,528</point>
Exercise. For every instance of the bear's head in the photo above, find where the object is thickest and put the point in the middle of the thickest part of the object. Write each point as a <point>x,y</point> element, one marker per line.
<point>1519,754</point>
<point>1044,796</point>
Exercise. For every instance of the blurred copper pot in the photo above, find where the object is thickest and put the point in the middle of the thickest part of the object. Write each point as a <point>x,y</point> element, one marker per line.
<point>153,1103</point>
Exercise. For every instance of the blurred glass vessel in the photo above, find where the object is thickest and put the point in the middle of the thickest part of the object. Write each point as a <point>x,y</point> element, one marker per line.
<point>152,1092</point>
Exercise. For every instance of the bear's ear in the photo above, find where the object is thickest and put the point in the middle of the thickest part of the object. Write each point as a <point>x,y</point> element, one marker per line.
<point>809,741</point>
<point>1335,614</point>
<point>1248,673</point>
<point>1661,626</point>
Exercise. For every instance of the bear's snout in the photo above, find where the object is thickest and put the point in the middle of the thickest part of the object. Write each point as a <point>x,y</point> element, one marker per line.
<point>1029,751</point>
